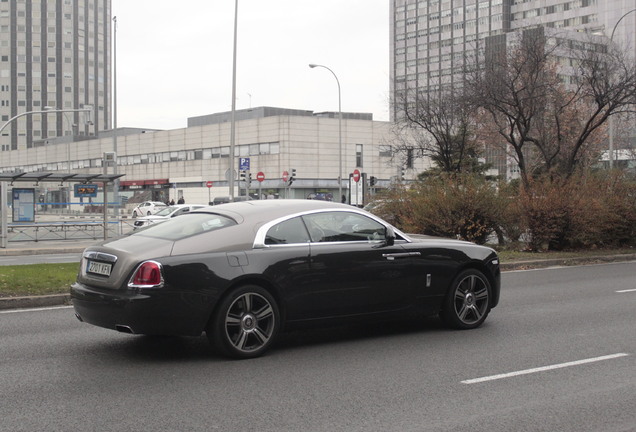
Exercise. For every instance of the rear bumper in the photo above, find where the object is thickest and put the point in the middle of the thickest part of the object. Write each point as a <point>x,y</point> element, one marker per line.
<point>150,311</point>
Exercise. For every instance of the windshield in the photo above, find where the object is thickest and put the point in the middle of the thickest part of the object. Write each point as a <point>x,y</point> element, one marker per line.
<point>167,211</point>
<point>186,225</point>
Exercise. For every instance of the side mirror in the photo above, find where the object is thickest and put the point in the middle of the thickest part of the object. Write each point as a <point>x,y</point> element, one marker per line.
<point>389,236</point>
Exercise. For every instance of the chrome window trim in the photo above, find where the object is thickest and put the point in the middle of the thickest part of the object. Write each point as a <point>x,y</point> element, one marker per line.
<point>261,233</point>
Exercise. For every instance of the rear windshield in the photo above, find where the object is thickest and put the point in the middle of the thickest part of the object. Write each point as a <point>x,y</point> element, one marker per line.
<point>186,226</point>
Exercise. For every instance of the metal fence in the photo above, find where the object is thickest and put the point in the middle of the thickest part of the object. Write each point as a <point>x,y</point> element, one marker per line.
<point>66,230</point>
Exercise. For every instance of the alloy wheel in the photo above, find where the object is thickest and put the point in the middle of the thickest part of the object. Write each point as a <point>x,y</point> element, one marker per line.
<point>471,299</point>
<point>249,322</point>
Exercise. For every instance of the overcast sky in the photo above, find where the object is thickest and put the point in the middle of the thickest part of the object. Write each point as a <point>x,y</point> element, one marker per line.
<point>174,59</point>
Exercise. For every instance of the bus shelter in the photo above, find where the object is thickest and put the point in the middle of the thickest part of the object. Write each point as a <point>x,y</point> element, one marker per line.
<point>85,183</point>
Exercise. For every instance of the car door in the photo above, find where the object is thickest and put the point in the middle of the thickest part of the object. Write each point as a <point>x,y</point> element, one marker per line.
<point>354,270</point>
<point>284,261</point>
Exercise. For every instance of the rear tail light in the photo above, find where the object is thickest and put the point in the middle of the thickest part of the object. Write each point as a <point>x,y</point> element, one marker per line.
<point>147,275</point>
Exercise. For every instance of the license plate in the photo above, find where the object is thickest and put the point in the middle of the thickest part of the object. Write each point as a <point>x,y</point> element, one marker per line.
<point>99,268</point>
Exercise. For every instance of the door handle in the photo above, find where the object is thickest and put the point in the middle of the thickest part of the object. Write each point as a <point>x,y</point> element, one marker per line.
<point>392,256</point>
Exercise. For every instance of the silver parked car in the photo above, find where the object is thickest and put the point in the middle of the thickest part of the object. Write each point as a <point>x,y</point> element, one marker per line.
<point>165,214</point>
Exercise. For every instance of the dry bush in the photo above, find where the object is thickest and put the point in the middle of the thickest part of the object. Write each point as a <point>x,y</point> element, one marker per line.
<point>464,206</point>
<point>584,211</point>
<point>580,212</point>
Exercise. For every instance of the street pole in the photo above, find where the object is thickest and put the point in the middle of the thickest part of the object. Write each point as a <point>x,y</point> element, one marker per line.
<point>116,181</point>
<point>339,130</point>
<point>611,118</point>
<point>233,116</point>
<point>45,111</point>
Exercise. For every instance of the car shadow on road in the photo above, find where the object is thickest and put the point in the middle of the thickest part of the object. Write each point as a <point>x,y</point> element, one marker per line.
<point>167,349</point>
<point>356,332</point>
<point>194,349</point>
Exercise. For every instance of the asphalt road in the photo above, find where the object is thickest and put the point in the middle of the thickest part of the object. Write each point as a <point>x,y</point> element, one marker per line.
<point>558,354</point>
<point>40,259</point>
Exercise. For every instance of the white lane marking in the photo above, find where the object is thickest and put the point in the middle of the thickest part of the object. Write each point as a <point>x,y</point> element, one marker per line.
<point>627,290</point>
<point>543,369</point>
<point>34,309</point>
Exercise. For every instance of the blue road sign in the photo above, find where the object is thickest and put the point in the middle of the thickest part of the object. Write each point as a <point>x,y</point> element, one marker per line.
<point>244,164</point>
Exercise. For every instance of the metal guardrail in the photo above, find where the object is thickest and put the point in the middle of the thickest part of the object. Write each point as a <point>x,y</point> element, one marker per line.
<point>20,232</point>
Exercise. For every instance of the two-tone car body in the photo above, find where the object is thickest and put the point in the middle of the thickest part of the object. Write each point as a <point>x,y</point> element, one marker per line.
<point>243,271</point>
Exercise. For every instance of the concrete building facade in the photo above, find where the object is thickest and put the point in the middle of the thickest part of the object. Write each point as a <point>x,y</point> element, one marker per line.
<point>432,40</point>
<point>54,54</point>
<point>164,165</point>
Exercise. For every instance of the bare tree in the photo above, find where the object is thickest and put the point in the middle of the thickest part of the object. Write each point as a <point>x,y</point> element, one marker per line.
<point>440,127</point>
<point>549,124</point>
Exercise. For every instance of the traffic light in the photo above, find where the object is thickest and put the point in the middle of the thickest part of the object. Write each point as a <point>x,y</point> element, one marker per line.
<point>292,177</point>
<point>372,181</point>
<point>242,175</point>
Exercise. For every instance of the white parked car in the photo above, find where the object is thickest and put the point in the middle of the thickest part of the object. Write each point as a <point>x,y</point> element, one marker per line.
<point>166,214</point>
<point>147,208</point>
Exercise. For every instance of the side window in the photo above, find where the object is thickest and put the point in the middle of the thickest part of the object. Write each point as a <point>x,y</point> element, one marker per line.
<point>343,226</point>
<point>288,232</point>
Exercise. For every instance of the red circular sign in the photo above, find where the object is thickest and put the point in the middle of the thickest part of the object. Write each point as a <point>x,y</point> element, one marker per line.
<point>285,176</point>
<point>260,176</point>
<point>356,175</point>
<point>208,184</point>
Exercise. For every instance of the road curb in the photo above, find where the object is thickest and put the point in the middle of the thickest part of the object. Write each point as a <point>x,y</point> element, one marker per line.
<point>564,262</point>
<point>34,301</point>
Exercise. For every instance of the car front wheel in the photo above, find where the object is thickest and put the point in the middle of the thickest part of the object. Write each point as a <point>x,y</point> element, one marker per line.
<point>467,303</point>
<point>246,322</point>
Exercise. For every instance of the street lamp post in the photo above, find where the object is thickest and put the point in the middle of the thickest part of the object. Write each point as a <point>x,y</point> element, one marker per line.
<point>339,129</point>
<point>45,111</point>
<point>611,118</point>
<point>233,116</point>
<point>114,96</point>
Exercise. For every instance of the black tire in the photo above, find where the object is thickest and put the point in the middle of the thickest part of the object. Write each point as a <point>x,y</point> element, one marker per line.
<point>149,213</point>
<point>467,303</point>
<point>245,324</point>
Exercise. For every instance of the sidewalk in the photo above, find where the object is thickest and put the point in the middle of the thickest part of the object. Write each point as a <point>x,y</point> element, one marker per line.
<point>46,247</point>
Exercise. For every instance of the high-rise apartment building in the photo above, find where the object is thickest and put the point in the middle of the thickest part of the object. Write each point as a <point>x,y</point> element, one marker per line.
<point>54,54</point>
<point>432,39</point>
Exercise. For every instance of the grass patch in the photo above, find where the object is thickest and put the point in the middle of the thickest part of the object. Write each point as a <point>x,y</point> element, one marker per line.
<point>515,256</point>
<point>37,279</point>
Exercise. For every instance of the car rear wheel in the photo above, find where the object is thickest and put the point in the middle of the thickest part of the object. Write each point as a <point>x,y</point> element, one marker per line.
<point>246,323</point>
<point>467,303</point>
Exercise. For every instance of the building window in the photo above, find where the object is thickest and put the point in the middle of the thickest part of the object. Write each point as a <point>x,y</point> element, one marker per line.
<point>409,158</point>
<point>359,155</point>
